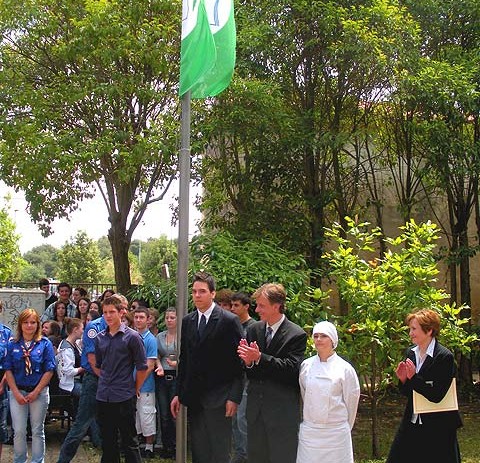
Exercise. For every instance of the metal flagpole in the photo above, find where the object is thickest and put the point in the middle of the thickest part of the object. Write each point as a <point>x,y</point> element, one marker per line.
<point>182,247</point>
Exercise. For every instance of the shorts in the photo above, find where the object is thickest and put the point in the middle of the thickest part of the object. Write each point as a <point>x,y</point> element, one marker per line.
<point>145,419</point>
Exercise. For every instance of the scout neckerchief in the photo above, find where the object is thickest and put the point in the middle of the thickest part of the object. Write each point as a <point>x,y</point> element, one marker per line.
<point>26,355</point>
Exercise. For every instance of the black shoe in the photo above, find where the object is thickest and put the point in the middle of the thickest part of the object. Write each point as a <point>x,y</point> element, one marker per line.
<point>238,459</point>
<point>9,441</point>
<point>168,453</point>
<point>148,455</point>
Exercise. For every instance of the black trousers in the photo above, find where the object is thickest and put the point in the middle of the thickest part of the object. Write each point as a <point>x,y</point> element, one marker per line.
<point>211,435</point>
<point>272,441</point>
<point>118,418</point>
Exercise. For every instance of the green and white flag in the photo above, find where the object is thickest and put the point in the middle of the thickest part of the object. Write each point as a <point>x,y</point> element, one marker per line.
<point>208,47</point>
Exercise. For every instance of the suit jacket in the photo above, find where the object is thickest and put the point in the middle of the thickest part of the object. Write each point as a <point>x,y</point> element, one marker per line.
<point>209,369</point>
<point>273,383</point>
<point>432,381</point>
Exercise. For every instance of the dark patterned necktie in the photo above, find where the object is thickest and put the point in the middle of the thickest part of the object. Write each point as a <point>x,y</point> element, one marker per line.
<point>268,336</point>
<point>202,325</point>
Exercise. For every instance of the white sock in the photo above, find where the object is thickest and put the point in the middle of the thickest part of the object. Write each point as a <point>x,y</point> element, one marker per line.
<point>149,447</point>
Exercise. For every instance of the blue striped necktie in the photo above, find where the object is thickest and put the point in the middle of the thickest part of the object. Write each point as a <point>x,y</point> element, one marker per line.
<point>268,336</point>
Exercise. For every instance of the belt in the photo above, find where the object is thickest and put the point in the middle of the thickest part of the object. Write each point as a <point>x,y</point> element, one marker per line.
<point>170,375</point>
<point>27,388</point>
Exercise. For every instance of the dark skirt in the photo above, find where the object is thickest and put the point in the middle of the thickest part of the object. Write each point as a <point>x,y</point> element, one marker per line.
<point>416,443</point>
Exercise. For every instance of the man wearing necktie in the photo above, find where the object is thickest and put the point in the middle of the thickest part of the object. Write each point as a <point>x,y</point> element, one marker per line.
<point>209,379</point>
<point>272,353</point>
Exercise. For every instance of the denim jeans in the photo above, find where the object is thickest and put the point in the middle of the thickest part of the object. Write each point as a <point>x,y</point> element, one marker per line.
<point>165,393</point>
<point>3,417</point>
<point>87,409</point>
<point>19,413</point>
<point>239,427</point>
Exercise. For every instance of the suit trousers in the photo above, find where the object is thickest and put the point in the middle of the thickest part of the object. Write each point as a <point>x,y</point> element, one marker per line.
<point>211,434</point>
<point>271,441</point>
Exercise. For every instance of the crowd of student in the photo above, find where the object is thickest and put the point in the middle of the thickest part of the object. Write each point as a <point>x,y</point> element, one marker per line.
<point>240,379</point>
<point>60,349</point>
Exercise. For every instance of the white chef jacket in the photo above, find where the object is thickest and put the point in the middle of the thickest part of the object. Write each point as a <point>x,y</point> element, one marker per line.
<point>330,392</point>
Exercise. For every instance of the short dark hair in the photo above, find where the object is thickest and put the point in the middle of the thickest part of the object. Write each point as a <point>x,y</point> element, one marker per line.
<point>113,300</point>
<point>244,298</point>
<point>108,290</point>
<point>64,285</point>
<point>141,309</point>
<point>141,302</point>
<point>83,292</point>
<point>224,295</point>
<point>94,314</point>
<point>205,278</point>
<point>43,282</point>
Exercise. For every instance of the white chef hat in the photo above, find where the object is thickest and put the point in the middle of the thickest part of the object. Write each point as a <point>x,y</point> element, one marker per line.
<point>328,329</point>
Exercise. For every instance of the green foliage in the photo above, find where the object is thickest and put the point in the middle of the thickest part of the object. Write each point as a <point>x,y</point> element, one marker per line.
<point>10,258</point>
<point>160,295</point>
<point>41,263</point>
<point>308,76</point>
<point>104,248</point>
<point>254,166</point>
<point>381,292</point>
<point>90,89</point>
<point>153,254</point>
<point>244,265</point>
<point>240,265</point>
<point>79,260</point>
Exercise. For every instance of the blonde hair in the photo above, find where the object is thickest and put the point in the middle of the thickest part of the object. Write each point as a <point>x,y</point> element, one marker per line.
<point>23,317</point>
<point>274,292</point>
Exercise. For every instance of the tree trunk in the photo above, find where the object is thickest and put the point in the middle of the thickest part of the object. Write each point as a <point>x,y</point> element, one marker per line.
<point>374,414</point>
<point>465,367</point>
<point>374,404</point>
<point>120,244</point>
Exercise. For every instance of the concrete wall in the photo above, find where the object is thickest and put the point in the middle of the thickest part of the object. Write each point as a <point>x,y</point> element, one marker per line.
<point>16,300</point>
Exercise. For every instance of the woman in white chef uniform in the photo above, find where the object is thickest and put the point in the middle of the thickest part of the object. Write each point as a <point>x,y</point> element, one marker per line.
<point>330,392</point>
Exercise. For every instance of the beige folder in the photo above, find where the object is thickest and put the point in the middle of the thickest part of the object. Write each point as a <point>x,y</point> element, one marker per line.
<point>448,403</point>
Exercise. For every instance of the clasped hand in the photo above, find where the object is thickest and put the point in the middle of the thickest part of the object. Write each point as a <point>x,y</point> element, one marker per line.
<point>249,353</point>
<point>405,370</point>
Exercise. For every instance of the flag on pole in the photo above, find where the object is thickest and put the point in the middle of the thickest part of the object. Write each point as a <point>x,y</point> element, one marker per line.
<point>208,47</point>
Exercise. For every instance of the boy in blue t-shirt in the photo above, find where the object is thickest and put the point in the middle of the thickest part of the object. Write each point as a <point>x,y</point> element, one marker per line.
<point>146,414</point>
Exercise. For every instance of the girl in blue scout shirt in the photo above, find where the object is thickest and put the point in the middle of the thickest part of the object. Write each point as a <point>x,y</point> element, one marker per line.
<point>29,366</point>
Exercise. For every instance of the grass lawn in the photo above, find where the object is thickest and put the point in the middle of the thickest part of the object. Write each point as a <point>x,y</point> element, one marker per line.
<point>390,414</point>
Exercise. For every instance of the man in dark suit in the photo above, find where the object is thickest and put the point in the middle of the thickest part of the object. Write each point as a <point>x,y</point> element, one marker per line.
<point>209,380</point>
<point>272,353</point>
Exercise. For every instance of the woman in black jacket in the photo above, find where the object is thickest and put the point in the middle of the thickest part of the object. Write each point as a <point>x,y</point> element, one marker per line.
<point>428,369</point>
